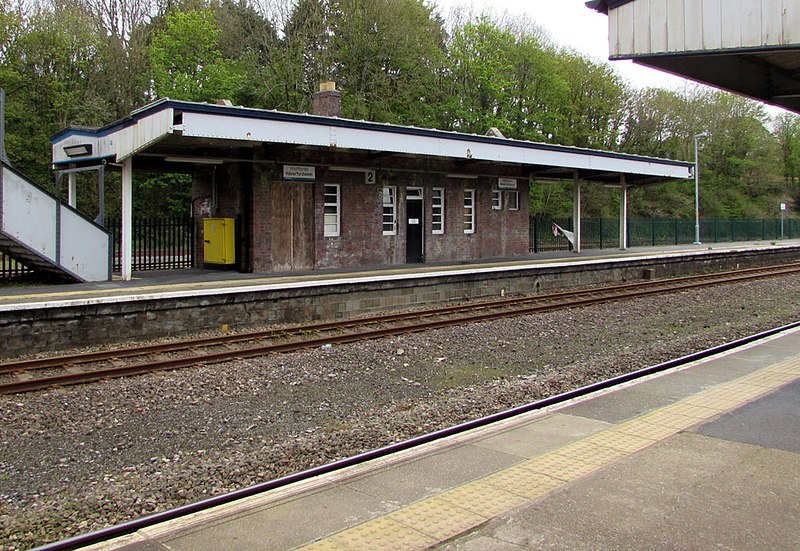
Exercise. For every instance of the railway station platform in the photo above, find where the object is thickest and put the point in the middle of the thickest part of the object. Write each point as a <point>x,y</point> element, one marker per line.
<point>179,303</point>
<point>703,456</point>
<point>169,283</point>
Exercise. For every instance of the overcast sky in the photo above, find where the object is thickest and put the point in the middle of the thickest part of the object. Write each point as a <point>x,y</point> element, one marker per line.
<point>570,23</point>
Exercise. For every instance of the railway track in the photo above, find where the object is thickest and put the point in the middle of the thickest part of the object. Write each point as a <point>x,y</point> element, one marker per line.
<point>41,373</point>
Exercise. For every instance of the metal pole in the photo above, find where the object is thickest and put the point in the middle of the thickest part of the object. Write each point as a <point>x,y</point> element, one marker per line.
<point>623,213</point>
<point>127,219</point>
<point>783,214</point>
<point>697,189</point>
<point>576,212</point>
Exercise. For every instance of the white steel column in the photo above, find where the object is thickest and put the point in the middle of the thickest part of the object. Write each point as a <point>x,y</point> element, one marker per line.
<point>127,218</point>
<point>576,213</point>
<point>72,189</point>
<point>623,213</point>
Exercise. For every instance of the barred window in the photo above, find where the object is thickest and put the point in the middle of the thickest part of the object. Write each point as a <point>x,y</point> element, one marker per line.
<point>497,200</point>
<point>469,211</point>
<point>390,210</point>
<point>512,199</point>
<point>437,210</point>
<point>332,210</point>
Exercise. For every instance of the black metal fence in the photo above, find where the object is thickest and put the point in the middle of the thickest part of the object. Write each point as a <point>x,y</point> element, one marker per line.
<point>603,233</point>
<point>11,269</point>
<point>158,243</point>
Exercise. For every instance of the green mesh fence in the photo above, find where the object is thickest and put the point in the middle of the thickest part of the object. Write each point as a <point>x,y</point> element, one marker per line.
<point>603,233</point>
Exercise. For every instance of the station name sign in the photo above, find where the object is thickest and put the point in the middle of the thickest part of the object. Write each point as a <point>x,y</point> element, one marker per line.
<point>299,173</point>
<point>506,183</point>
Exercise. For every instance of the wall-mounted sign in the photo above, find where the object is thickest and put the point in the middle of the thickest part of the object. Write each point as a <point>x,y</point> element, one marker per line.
<point>506,183</point>
<point>369,177</point>
<point>299,173</point>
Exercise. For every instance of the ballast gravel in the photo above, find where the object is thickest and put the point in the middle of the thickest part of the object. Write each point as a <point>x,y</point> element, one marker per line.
<point>77,459</point>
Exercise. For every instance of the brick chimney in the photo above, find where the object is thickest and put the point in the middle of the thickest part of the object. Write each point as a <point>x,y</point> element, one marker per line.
<point>328,101</point>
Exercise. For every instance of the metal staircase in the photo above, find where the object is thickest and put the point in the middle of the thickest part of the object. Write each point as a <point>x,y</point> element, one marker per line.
<point>40,231</point>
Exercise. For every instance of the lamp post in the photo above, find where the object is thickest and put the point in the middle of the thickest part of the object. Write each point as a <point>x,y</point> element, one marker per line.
<point>697,189</point>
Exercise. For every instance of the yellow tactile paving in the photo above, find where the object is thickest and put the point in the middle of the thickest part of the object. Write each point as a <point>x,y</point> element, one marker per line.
<point>383,533</point>
<point>523,482</point>
<point>325,545</point>
<point>670,420</point>
<point>437,518</point>
<point>560,466</point>
<point>742,392</point>
<point>722,402</point>
<point>483,499</point>
<point>620,441</point>
<point>643,429</point>
<point>689,410</point>
<point>442,517</point>
<point>789,367</point>
<point>590,453</point>
<point>768,379</point>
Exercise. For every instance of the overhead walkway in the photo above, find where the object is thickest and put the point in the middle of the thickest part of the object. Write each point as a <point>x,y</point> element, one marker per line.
<point>43,233</point>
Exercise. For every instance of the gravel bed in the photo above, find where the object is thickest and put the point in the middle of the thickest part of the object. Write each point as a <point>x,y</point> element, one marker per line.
<point>77,459</point>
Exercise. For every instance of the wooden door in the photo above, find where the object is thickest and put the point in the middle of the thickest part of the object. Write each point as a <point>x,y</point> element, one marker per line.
<point>292,226</point>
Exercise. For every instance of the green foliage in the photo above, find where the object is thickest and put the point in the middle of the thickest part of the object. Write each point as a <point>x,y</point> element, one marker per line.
<point>186,60</point>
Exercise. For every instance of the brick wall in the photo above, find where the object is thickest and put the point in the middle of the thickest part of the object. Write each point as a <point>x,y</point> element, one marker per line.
<point>270,211</point>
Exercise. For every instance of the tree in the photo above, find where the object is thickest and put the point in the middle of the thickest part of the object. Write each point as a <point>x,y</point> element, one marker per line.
<point>594,109</point>
<point>481,70</point>
<point>388,56</point>
<point>186,60</point>
<point>51,67</point>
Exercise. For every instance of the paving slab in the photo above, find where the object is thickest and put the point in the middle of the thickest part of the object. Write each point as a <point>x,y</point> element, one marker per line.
<point>773,422</point>
<point>542,435</point>
<point>285,525</point>
<point>689,492</point>
<point>433,474</point>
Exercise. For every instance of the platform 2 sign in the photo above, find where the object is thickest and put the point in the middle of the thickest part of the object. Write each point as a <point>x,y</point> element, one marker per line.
<point>299,173</point>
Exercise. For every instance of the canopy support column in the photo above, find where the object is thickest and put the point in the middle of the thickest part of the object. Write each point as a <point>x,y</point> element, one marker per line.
<point>623,213</point>
<point>72,189</point>
<point>576,213</point>
<point>127,218</point>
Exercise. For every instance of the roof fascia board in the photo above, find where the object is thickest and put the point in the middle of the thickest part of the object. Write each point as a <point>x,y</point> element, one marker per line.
<point>766,49</point>
<point>152,122</point>
<point>427,143</point>
<point>119,141</point>
<point>241,112</point>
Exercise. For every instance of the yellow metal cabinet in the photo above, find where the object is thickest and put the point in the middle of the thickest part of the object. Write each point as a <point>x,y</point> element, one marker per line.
<point>219,240</point>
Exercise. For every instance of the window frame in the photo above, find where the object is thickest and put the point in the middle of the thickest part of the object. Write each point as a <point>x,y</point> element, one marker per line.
<point>514,194</point>
<point>393,206</point>
<point>469,211</point>
<point>337,205</point>
<point>440,215</point>
<point>497,199</point>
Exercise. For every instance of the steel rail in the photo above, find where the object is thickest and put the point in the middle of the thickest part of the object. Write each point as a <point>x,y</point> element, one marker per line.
<point>593,297</point>
<point>177,346</point>
<point>130,527</point>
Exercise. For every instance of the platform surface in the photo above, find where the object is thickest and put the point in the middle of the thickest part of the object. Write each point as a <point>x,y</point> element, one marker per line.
<point>702,457</point>
<point>177,283</point>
